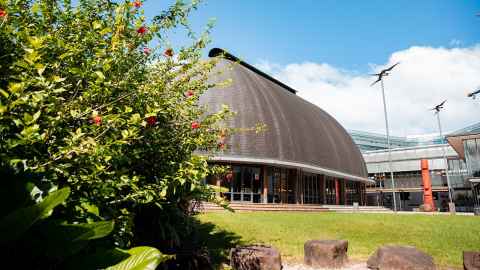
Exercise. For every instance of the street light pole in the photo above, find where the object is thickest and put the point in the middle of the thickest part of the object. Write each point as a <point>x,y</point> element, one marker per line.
<point>445,160</point>
<point>389,146</point>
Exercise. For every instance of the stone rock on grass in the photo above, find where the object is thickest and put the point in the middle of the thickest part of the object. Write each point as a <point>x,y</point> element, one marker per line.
<point>326,253</point>
<point>255,257</point>
<point>471,260</point>
<point>400,258</point>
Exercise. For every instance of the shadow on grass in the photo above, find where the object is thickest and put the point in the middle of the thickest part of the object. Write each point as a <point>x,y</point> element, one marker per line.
<point>217,241</point>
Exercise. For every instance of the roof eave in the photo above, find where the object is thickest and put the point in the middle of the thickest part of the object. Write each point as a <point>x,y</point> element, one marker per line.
<point>292,164</point>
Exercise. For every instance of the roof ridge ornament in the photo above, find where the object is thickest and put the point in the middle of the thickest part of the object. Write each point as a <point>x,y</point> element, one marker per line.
<point>217,52</point>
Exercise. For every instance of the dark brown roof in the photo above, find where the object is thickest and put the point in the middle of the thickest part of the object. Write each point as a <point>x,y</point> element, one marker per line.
<point>298,132</point>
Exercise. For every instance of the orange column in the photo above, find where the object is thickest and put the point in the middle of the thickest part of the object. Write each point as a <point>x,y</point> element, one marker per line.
<point>427,187</point>
<point>337,192</point>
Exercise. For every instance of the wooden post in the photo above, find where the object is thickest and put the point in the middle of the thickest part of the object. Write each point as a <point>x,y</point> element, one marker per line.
<point>363,194</point>
<point>324,189</point>
<point>218,183</point>
<point>265,185</point>
<point>297,186</point>
<point>337,192</point>
<point>302,189</point>
<point>344,191</point>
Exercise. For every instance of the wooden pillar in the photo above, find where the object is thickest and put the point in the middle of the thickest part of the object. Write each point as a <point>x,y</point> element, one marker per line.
<point>362,194</point>
<point>218,183</point>
<point>344,191</point>
<point>297,186</point>
<point>337,192</point>
<point>265,185</point>
<point>302,187</point>
<point>324,189</point>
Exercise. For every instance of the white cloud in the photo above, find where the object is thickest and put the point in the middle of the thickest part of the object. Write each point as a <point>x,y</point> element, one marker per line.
<point>455,43</point>
<point>425,77</point>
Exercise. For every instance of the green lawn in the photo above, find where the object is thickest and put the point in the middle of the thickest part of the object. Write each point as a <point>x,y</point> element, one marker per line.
<point>444,237</point>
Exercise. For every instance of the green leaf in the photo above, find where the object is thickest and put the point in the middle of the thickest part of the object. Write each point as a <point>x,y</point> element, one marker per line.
<point>67,239</point>
<point>58,79</point>
<point>100,75</point>
<point>101,259</point>
<point>40,68</point>
<point>87,206</point>
<point>18,222</point>
<point>96,25</point>
<point>105,31</point>
<point>36,116</point>
<point>4,93</point>
<point>141,258</point>
<point>15,87</point>
<point>92,231</point>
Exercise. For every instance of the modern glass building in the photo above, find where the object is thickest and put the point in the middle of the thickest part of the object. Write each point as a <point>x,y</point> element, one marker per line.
<point>303,157</point>
<point>407,154</point>
<point>467,145</point>
<point>369,141</point>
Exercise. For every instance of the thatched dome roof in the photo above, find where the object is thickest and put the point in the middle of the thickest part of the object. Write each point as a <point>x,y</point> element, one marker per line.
<point>299,134</point>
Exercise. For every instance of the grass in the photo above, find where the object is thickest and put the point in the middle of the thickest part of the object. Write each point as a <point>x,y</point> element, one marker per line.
<point>443,237</point>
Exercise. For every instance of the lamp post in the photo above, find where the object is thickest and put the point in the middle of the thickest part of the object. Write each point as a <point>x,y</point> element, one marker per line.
<point>389,146</point>
<point>451,205</point>
<point>383,73</point>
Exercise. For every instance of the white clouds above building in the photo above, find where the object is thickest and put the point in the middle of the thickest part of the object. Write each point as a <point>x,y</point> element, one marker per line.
<point>425,77</point>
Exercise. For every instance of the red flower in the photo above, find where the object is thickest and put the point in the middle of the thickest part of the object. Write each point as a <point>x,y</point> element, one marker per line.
<point>229,176</point>
<point>195,125</point>
<point>189,93</point>
<point>221,145</point>
<point>137,3</point>
<point>168,52</point>
<point>97,120</point>
<point>151,120</point>
<point>147,51</point>
<point>142,30</point>
<point>3,13</point>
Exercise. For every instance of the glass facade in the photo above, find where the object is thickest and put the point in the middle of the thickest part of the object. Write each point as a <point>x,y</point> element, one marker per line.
<point>245,184</point>
<point>409,188</point>
<point>409,179</point>
<point>472,156</point>
<point>267,184</point>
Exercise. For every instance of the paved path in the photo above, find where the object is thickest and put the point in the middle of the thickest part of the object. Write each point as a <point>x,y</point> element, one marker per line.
<point>352,266</point>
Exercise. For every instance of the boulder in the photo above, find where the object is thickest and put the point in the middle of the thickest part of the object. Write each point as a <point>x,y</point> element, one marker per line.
<point>255,257</point>
<point>400,258</point>
<point>326,253</point>
<point>471,260</point>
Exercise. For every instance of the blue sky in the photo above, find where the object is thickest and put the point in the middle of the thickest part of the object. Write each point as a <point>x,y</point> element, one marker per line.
<point>325,49</point>
<point>346,34</point>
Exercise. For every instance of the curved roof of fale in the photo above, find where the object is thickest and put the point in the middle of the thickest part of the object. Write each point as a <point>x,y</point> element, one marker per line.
<point>298,134</point>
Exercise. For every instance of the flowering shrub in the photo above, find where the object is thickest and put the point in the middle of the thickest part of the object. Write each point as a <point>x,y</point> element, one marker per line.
<point>87,102</point>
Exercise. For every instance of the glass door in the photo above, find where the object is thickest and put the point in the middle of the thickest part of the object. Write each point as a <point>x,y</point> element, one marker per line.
<point>246,185</point>
<point>237,184</point>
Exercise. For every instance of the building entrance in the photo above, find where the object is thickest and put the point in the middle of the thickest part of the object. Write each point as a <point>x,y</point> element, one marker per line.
<point>246,184</point>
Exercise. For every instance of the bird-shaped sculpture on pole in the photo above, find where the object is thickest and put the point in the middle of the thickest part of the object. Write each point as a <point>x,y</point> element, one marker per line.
<point>474,94</point>
<point>383,73</point>
<point>438,107</point>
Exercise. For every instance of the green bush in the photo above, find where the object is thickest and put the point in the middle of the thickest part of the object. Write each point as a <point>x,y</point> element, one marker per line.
<point>30,239</point>
<point>92,98</point>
